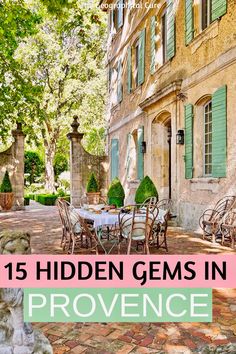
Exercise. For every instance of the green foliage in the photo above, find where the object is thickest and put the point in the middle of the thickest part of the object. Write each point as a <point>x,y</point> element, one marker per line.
<point>61,192</point>
<point>27,200</point>
<point>6,186</point>
<point>33,165</point>
<point>116,189</point>
<point>145,190</point>
<point>46,199</point>
<point>92,186</point>
<point>60,164</point>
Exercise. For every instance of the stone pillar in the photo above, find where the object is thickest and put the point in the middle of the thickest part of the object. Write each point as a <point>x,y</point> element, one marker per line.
<point>76,161</point>
<point>18,175</point>
<point>17,337</point>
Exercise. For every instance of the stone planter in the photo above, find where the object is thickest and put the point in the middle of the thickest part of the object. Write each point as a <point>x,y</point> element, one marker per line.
<point>6,201</point>
<point>93,198</point>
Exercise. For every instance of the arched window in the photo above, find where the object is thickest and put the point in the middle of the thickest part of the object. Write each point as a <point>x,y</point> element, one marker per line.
<point>208,138</point>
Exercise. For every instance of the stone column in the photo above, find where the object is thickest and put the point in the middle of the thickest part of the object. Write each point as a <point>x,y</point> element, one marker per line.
<point>76,161</point>
<point>18,175</point>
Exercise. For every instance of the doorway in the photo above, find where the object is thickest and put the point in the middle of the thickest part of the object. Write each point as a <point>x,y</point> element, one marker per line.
<point>161,155</point>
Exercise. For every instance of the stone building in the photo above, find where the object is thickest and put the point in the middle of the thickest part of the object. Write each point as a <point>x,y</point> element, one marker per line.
<point>171,72</point>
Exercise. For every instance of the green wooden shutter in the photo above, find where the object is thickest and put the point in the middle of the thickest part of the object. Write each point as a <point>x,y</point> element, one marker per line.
<point>114,158</point>
<point>140,157</point>
<point>170,30</point>
<point>120,13</point>
<point>218,9</point>
<point>127,164</point>
<point>141,57</point>
<point>219,132</point>
<point>188,21</point>
<point>129,70</point>
<point>188,141</point>
<point>153,44</point>
<point>119,82</point>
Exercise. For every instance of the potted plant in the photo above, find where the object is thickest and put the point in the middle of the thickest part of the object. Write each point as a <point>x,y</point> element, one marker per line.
<point>116,193</point>
<point>6,195</point>
<point>92,189</point>
<point>145,190</point>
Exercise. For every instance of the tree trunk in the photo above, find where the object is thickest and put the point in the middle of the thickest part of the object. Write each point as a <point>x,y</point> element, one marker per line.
<point>50,149</point>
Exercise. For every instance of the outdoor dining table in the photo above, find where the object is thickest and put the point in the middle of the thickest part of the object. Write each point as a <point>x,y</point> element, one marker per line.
<point>99,221</point>
<point>108,219</point>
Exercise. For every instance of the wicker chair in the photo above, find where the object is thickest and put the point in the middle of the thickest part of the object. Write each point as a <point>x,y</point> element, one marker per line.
<point>76,232</point>
<point>161,225</point>
<point>228,228</point>
<point>137,227</point>
<point>211,219</point>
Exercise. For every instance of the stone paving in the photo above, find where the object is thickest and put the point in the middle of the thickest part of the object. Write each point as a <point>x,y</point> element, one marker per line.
<point>122,338</point>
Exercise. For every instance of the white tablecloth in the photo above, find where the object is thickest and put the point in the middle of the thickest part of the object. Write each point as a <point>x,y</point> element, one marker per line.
<point>99,219</point>
<point>110,219</point>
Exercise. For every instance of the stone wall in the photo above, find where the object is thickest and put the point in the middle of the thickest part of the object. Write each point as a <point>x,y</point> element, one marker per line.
<point>13,160</point>
<point>82,164</point>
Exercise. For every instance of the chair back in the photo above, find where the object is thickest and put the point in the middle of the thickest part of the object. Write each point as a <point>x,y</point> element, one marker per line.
<point>149,202</point>
<point>138,224</point>
<point>222,207</point>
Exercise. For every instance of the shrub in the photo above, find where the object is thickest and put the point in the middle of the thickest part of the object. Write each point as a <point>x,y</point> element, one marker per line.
<point>6,186</point>
<point>60,164</point>
<point>116,190</point>
<point>145,190</point>
<point>34,166</point>
<point>92,186</point>
<point>116,193</point>
<point>27,200</point>
<point>46,199</point>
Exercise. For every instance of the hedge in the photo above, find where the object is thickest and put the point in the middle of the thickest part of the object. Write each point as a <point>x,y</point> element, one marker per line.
<point>26,200</point>
<point>46,199</point>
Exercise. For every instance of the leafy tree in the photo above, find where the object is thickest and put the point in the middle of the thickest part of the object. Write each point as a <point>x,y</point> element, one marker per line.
<point>34,166</point>
<point>60,164</point>
<point>64,59</point>
<point>16,92</point>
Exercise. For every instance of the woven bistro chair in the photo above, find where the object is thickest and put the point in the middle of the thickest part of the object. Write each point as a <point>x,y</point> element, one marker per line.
<point>137,227</point>
<point>211,219</point>
<point>228,228</point>
<point>159,237</point>
<point>77,233</point>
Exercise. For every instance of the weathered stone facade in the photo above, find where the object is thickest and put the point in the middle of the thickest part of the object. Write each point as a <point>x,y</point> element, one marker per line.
<point>82,164</point>
<point>192,75</point>
<point>13,160</point>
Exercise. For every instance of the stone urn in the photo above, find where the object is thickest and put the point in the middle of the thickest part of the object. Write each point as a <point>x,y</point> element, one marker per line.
<point>6,201</point>
<point>93,197</point>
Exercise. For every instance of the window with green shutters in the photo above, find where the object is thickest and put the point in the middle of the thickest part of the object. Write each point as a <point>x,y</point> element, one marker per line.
<point>114,158</point>
<point>153,44</point>
<point>141,57</point>
<point>188,112</point>
<point>189,30</point>
<point>129,70</point>
<point>170,30</point>
<point>140,155</point>
<point>218,9</point>
<point>119,82</point>
<point>120,13</point>
<point>219,132</point>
